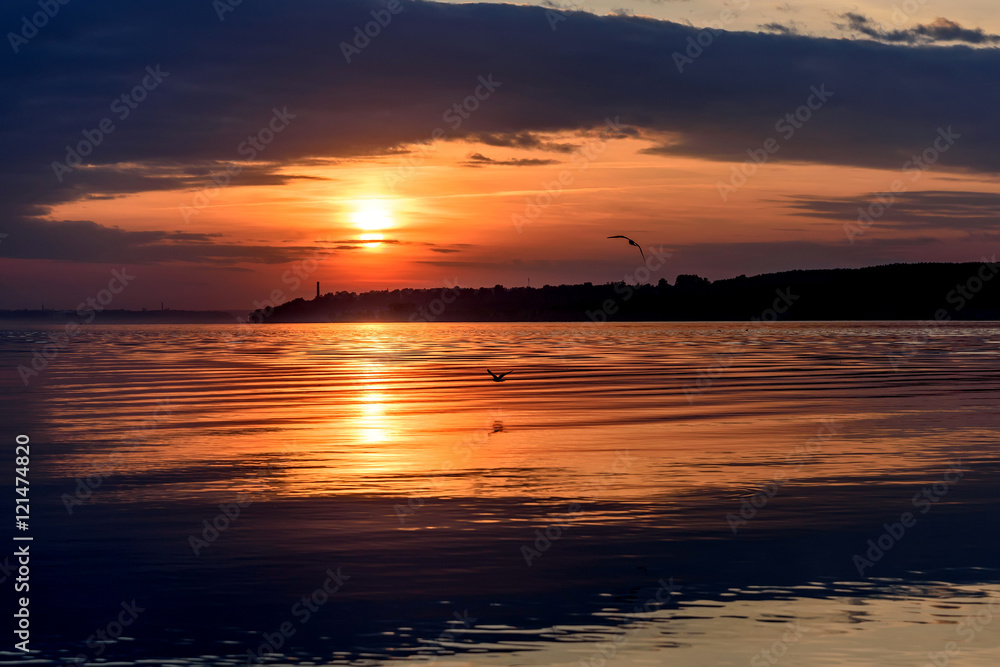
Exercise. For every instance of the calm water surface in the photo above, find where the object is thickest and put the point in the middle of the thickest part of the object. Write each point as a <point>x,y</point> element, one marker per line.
<point>682,494</point>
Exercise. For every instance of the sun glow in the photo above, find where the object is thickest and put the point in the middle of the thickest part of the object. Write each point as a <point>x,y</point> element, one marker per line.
<point>372,215</point>
<point>372,240</point>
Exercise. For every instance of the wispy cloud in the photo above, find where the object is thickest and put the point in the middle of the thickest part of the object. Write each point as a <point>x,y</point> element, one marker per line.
<point>480,160</point>
<point>938,30</point>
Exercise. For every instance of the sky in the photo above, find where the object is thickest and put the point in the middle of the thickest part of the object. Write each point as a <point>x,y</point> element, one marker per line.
<point>221,155</point>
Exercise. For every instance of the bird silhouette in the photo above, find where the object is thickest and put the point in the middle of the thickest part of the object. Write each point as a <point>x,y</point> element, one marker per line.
<point>498,378</point>
<point>630,242</point>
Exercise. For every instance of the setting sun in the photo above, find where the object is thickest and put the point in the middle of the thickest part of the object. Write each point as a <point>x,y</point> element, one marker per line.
<point>372,215</point>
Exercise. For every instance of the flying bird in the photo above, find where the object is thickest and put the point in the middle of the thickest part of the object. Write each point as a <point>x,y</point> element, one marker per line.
<point>498,378</point>
<point>630,242</point>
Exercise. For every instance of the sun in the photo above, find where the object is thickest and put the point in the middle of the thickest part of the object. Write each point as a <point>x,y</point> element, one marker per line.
<point>372,215</point>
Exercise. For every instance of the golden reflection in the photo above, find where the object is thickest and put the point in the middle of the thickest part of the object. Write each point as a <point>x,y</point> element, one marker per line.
<point>371,422</point>
<point>371,415</point>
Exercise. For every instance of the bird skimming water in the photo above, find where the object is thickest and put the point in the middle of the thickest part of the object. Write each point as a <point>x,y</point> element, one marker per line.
<point>498,378</point>
<point>630,242</point>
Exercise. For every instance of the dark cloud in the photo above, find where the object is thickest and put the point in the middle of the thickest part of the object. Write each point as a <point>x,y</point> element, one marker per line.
<point>779,28</point>
<point>525,140</point>
<point>938,30</point>
<point>90,242</point>
<point>227,81</point>
<point>114,180</point>
<point>930,209</point>
<point>397,91</point>
<point>480,160</point>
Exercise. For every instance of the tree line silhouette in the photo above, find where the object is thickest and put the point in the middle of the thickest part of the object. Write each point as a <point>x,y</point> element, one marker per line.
<point>922,291</point>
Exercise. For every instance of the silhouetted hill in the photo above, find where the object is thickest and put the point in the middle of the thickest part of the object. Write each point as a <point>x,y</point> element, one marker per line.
<point>892,292</point>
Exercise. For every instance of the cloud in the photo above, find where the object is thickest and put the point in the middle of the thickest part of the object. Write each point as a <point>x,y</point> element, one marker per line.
<point>89,242</point>
<point>480,160</point>
<point>362,241</point>
<point>790,29</point>
<point>225,82</point>
<point>938,30</point>
<point>925,210</point>
<point>526,140</point>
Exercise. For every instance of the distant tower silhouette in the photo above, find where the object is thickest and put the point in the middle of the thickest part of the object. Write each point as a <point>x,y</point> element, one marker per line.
<point>317,289</point>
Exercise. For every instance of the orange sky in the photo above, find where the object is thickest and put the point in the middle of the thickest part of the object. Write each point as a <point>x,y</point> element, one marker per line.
<point>458,222</point>
<point>343,177</point>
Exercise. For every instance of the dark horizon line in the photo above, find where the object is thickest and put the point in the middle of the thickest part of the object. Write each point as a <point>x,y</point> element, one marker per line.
<point>156,313</point>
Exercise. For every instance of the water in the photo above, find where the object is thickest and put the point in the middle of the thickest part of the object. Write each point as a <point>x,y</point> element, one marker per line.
<point>689,494</point>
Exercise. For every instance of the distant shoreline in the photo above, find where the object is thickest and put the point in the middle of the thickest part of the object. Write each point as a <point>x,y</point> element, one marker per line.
<point>39,316</point>
<point>97,323</point>
<point>935,292</point>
